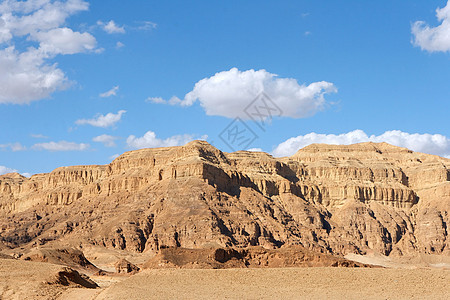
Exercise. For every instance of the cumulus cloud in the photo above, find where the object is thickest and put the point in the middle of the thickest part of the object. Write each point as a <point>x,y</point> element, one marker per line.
<point>61,146</point>
<point>25,77</point>
<point>111,27</point>
<point>64,41</point>
<point>37,25</point>
<point>428,143</point>
<point>5,170</point>
<point>433,39</point>
<point>149,140</point>
<point>111,92</point>
<point>229,93</point>
<point>21,18</point>
<point>103,121</point>
<point>107,140</point>
<point>13,147</point>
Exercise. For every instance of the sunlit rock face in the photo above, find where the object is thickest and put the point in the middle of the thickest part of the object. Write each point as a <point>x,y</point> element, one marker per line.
<point>329,198</point>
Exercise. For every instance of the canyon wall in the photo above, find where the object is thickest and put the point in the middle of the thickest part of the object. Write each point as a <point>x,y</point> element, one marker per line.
<point>333,199</point>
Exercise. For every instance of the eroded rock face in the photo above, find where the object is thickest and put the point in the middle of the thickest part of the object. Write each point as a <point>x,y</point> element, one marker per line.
<point>124,266</point>
<point>251,257</point>
<point>333,199</point>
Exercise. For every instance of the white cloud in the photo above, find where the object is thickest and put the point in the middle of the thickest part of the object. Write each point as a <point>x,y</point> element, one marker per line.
<point>107,140</point>
<point>437,38</point>
<point>255,150</point>
<point>5,170</point>
<point>64,41</point>
<point>228,93</point>
<point>428,143</point>
<point>29,75</point>
<point>61,146</point>
<point>111,27</point>
<point>103,121</point>
<point>120,45</point>
<point>146,25</point>
<point>21,18</point>
<point>149,140</point>
<point>157,100</point>
<point>39,136</point>
<point>25,77</point>
<point>13,147</point>
<point>111,92</point>
<point>172,101</point>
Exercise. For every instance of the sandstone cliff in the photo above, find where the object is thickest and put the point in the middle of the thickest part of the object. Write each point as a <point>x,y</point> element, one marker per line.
<point>333,199</point>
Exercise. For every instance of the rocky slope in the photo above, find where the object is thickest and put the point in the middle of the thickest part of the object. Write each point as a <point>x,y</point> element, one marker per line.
<point>332,199</point>
<point>37,280</point>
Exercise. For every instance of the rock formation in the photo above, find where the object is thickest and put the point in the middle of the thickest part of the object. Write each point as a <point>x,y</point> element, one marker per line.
<point>70,277</point>
<point>72,258</point>
<point>124,266</point>
<point>332,199</point>
<point>250,257</point>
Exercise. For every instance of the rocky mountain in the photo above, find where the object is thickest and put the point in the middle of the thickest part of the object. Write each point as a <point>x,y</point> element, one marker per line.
<point>332,199</point>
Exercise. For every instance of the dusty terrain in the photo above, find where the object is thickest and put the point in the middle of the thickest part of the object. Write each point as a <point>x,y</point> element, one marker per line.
<point>306,283</point>
<point>33,280</point>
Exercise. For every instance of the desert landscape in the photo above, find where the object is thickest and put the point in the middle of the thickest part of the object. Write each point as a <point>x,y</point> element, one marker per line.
<point>163,222</point>
<point>289,149</point>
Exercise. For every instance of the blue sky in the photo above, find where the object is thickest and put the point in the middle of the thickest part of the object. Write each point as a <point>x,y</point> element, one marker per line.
<point>84,81</point>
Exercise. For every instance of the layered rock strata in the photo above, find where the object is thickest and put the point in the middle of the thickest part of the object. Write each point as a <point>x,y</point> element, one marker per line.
<point>332,199</point>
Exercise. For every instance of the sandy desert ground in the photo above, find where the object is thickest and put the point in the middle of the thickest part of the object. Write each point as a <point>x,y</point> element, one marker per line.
<point>295,283</point>
<point>29,280</point>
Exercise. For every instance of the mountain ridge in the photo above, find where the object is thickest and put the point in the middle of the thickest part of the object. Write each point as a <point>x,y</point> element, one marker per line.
<point>328,198</point>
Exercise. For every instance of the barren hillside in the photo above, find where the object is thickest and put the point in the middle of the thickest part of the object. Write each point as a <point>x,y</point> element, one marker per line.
<point>332,199</point>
